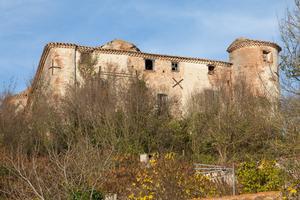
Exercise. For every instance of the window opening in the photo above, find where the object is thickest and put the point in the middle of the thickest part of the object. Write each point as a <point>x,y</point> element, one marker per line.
<point>149,64</point>
<point>175,67</point>
<point>267,56</point>
<point>211,69</point>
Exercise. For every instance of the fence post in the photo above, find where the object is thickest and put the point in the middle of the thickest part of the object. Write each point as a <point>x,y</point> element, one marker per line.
<point>233,180</point>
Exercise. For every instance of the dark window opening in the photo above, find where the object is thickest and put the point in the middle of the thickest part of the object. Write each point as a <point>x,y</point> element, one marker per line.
<point>162,103</point>
<point>267,56</point>
<point>211,69</point>
<point>175,67</point>
<point>149,64</point>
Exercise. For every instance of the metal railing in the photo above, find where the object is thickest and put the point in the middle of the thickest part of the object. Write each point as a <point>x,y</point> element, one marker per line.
<point>216,172</point>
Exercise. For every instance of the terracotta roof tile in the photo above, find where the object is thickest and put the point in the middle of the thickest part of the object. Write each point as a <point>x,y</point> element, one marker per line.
<point>243,42</point>
<point>137,54</point>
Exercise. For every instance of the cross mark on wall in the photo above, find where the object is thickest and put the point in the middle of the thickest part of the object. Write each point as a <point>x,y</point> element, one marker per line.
<point>53,67</point>
<point>177,83</point>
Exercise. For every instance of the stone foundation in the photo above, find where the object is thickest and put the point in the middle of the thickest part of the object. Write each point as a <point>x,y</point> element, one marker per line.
<point>256,196</point>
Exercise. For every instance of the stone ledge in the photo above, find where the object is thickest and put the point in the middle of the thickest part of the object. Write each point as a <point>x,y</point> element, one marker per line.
<point>257,196</point>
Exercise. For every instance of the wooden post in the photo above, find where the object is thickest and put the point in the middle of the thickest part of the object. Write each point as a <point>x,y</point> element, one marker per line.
<point>233,180</point>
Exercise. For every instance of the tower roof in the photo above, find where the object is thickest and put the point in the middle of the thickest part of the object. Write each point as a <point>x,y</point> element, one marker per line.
<point>244,42</point>
<point>118,44</point>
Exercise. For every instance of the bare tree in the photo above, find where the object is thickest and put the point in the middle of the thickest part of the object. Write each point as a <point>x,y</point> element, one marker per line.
<point>290,56</point>
<point>231,126</point>
<point>79,169</point>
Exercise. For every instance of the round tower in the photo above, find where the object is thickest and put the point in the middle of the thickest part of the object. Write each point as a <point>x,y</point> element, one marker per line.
<point>255,63</point>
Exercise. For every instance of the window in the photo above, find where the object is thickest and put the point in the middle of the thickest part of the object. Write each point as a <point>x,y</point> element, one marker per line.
<point>149,64</point>
<point>267,56</point>
<point>174,67</point>
<point>211,69</point>
<point>162,103</point>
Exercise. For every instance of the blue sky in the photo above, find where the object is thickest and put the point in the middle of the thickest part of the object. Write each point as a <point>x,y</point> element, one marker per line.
<point>198,28</point>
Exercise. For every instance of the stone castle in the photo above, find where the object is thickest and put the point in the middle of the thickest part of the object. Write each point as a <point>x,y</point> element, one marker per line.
<point>254,60</point>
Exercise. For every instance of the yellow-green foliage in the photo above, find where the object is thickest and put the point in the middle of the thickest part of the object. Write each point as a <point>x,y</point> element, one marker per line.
<point>292,191</point>
<point>168,177</point>
<point>259,176</point>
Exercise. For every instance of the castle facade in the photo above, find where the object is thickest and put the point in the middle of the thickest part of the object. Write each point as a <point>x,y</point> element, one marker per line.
<point>254,60</point>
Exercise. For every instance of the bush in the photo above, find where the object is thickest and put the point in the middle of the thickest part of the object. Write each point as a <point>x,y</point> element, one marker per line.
<point>169,177</point>
<point>259,177</point>
<point>87,195</point>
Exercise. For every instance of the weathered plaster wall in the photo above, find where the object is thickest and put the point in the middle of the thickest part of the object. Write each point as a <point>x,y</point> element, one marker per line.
<point>193,75</point>
<point>106,60</point>
<point>260,76</point>
<point>61,77</point>
<point>163,80</point>
<point>159,79</point>
<point>195,80</point>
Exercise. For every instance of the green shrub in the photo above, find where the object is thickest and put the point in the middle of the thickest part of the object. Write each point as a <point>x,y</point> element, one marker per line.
<point>259,177</point>
<point>87,195</point>
<point>3,171</point>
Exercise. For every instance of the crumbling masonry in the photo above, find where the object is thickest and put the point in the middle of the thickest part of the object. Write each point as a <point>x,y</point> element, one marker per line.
<point>169,76</point>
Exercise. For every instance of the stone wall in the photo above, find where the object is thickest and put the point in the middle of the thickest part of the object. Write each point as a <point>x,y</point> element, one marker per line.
<point>192,76</point>
<point>258,67</point>
<point>58,71</point>
<point>256,196</point>
<point>59,67</point>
